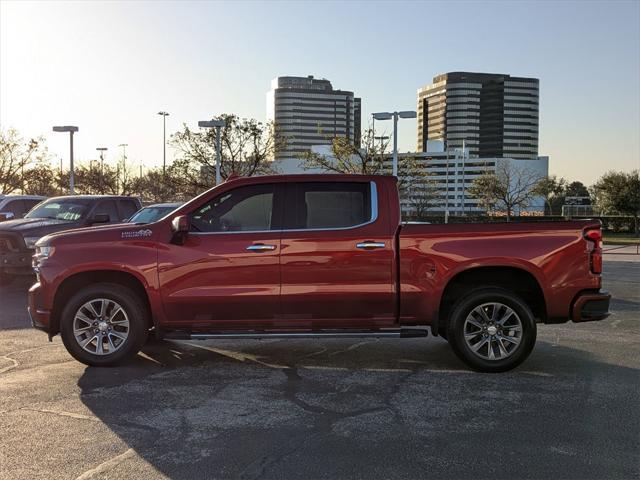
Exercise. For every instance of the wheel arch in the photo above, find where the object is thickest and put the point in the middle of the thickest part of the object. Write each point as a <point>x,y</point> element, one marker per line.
<point>75,282</point>
<point>514,279</point>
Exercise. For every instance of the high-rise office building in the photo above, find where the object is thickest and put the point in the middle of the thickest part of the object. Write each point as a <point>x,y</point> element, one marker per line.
<point>308,111</point>
<point>494,115</point>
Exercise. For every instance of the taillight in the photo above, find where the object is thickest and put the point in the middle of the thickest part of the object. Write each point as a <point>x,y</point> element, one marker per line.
<point>594,236</point>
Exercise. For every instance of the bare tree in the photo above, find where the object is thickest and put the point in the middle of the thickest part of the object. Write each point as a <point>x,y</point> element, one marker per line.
<point>369,159</point>
<point>510,187</point>
<point>423,196</point>
<point>347,158</point>
<point>248,146</point>
<point>16,156</point>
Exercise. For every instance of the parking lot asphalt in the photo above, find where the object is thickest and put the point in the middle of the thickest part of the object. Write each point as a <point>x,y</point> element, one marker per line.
<point>334,408</point>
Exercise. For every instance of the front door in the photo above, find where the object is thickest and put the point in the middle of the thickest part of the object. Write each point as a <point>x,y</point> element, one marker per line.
<point>227,272</point>
<point>337,257</point>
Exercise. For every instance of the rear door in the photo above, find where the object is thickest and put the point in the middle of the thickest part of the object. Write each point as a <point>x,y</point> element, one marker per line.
<point>336,256</point>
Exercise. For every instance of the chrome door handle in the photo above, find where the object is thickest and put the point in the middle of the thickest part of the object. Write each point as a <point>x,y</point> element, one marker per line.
<point>370,245</point>
<point>260,247</point>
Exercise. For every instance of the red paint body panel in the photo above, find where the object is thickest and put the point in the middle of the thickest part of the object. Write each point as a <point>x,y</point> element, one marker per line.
<point>555,253</point>
<point>314,278</point>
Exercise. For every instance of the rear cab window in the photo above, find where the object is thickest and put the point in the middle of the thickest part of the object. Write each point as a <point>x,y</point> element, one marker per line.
<point>328,205</point>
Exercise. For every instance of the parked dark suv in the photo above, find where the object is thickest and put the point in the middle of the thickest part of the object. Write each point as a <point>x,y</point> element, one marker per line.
<point>18,237</point>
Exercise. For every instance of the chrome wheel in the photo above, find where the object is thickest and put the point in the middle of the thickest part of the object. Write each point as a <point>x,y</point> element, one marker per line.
<point>493,331</point>
<point>101,326</point>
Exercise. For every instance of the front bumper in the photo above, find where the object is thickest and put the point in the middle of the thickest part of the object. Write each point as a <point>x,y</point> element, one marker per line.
<point>591,306</point>
<point>40,317</point>
<point>17,263</point>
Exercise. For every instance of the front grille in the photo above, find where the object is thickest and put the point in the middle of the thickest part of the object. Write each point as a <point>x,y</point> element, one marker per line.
<point>4,245</point>
<point>7,245</point>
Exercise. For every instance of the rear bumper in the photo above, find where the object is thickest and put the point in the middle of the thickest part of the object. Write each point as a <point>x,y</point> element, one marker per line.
<point>40,317</point>
<point>591,306</point>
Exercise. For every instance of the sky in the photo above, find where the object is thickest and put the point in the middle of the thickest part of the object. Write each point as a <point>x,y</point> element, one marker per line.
<point>109,67</point>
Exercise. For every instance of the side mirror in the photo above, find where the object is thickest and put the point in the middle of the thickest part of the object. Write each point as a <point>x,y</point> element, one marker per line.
<point>100,218</point>
<point>180,227</point>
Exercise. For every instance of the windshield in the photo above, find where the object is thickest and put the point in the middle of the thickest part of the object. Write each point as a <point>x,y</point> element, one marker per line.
<point>60,209</point>
<point>151,214</point>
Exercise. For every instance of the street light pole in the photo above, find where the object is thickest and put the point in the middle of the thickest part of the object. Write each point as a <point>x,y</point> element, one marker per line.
<point>218,125</point>
<point>71,129</point>
<point>164,141</point>
<point>395,116</point>
<point>101,150</point>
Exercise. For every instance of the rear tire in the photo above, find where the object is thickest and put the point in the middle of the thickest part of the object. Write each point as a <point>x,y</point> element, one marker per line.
<point>492,330</point>
<point>104,325</point>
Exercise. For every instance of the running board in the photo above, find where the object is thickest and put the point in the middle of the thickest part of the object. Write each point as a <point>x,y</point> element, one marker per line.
<point>386,333</point>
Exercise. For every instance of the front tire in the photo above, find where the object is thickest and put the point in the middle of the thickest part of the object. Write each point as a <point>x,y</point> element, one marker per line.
<point>492,330</point>
<point>104,325</point>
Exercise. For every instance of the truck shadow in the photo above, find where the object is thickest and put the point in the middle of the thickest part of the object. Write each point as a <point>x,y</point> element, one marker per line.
<point>352,408</point>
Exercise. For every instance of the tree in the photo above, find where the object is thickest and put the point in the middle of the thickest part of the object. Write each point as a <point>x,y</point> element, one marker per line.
<point>348,158</point>
<point>16,156</point>
<point>509,188</point>
<point>369,159</point>
<point>552,189</point>
<point>423,196</point>
<point>619,193</point>
<point>247,146</point>
<point>577,189</point>
<point>42,179</point>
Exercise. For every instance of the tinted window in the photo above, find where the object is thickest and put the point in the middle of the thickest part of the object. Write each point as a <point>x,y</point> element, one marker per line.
<point>151,214</point>
<point>127,208</point>
<point>247,208</point>
<point>16,207</point>
<point>29,204</point>
<point>329,205</point>
<point>108,207</point>
<point>61,209</point>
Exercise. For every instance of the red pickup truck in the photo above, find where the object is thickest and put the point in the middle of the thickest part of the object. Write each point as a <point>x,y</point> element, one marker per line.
<point>314,256</point>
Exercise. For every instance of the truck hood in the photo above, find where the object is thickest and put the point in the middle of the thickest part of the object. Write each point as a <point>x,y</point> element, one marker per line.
<point>100,233</point>
<point>36,227</point>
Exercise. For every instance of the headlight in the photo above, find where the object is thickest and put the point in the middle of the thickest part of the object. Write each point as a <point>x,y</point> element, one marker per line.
<point>30,242</point>
<point>43,252</point>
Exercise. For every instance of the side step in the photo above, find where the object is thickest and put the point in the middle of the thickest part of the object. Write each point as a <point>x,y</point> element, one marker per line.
<point>383,333</point>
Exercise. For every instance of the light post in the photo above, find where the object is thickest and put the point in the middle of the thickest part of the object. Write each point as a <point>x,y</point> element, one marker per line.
<point>218,125</point>
<point>395,116</point>
<point>71,129</point>
<point>124,164</point>
<point>164,141</point>
<point>101,150</point>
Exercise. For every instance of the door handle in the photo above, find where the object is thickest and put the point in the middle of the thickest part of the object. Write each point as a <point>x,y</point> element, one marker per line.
<point>370,245</point>
<point>260,247</point>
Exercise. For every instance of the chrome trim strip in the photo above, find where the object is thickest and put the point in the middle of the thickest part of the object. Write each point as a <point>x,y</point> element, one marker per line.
<point>374,217</point>
<point>261,247</point>
<point>367,245</point>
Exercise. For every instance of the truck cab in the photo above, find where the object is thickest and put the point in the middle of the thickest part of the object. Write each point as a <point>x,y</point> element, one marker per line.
<point>314,256</point>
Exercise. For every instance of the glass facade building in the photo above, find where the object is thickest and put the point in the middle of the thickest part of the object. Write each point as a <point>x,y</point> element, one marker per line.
<point>308,111</point>
<point>495,115</point>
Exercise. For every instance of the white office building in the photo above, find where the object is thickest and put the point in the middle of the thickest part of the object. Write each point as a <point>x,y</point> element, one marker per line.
<point>451,173</point>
